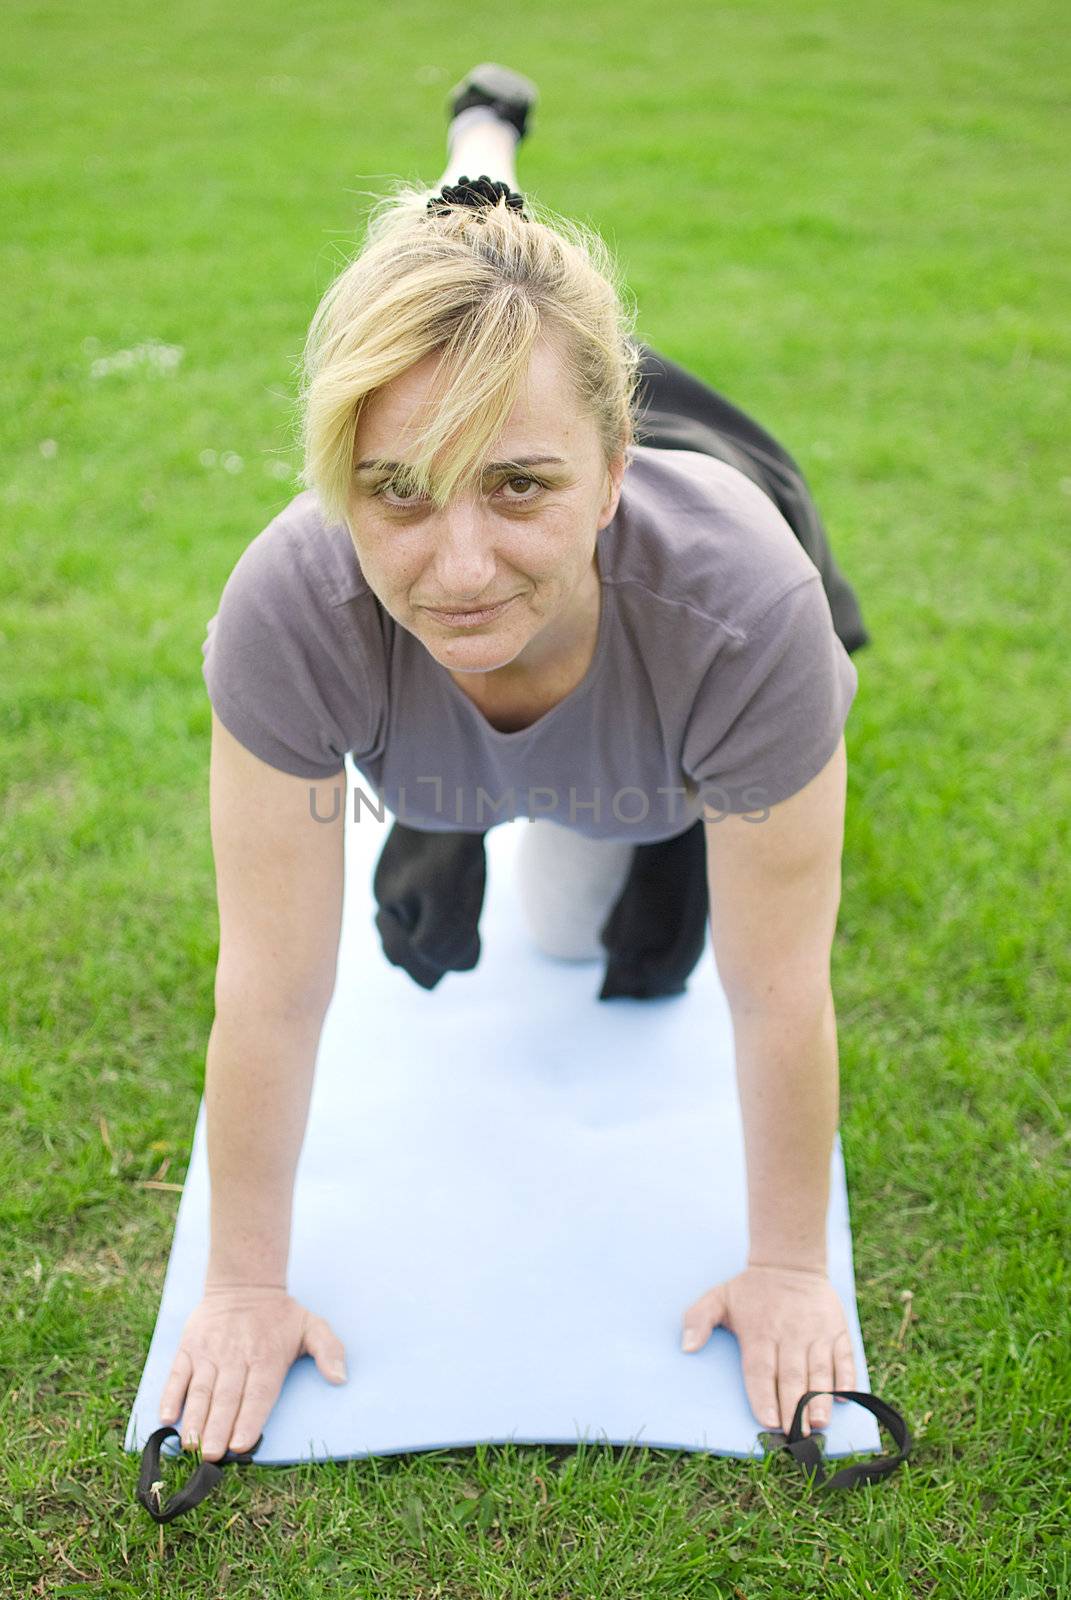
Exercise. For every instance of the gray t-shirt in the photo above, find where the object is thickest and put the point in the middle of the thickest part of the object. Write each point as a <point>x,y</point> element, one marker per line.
<point>717,678</point>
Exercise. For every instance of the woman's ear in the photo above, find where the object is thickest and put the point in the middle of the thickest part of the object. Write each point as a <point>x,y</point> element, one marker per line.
<point>615,473</point>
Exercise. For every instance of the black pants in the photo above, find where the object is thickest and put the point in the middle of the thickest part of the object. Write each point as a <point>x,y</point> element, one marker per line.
<point>678,411</point>
<point>430,886</point>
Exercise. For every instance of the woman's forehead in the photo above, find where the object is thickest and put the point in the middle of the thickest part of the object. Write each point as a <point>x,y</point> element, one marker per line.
<point>544,418</point>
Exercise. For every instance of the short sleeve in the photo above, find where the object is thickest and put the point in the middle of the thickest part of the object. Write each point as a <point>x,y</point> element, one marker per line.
<point>772,706</point>
<point>283,669</point>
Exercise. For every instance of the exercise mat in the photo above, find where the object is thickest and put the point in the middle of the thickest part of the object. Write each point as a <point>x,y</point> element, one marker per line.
<point>507,1196</point>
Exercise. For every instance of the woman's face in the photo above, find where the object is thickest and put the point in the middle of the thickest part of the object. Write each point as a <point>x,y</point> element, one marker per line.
<point>526,536</point>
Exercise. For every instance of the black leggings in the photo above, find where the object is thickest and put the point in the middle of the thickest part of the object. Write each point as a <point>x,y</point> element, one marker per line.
<point>678,411</point>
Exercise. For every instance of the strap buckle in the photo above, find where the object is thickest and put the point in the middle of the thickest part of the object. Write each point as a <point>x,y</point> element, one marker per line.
<point>807,1452</point>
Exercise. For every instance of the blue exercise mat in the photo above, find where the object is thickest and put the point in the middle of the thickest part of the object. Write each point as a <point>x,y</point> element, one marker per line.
<point>508,1194</point>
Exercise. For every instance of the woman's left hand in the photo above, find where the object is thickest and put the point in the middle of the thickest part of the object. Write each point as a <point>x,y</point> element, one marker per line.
<point>793,1337</point>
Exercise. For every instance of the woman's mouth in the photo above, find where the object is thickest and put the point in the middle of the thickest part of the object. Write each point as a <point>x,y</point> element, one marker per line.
<point>469,619</point>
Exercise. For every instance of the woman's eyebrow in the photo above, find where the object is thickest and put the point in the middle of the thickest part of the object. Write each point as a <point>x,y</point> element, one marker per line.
<point>376,464</point>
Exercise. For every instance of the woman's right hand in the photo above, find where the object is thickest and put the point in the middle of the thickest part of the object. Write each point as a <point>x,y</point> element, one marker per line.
<point>236,1349</point>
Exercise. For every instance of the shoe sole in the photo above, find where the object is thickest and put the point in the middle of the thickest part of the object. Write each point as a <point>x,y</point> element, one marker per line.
<point>509,93</point>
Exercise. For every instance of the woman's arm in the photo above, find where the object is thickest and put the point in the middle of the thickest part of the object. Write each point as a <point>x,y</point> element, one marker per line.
<point>279,880</point>
<point>774,890</point>
<point>279,876</point>
<point>774,895</point>
<point>258,1084</point>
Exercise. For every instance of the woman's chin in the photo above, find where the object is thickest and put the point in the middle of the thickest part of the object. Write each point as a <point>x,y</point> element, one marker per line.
<point>471,652</point>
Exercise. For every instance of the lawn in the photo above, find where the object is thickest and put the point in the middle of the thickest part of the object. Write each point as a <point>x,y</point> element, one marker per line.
<point>853,221</point>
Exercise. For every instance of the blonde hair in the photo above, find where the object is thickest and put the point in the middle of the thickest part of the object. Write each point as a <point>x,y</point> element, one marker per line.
<point>481,288</point>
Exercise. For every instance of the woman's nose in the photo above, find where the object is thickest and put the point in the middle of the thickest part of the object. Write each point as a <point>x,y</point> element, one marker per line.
<point>464,556</point>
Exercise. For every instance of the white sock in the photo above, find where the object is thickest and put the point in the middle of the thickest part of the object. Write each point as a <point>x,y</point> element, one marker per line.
<point>474,114</point>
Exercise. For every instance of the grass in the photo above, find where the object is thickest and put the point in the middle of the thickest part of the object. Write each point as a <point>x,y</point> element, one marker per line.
<point>848,219</point>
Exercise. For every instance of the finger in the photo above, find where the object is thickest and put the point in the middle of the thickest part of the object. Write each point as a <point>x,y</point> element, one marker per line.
<point>262,1386</point>
<point>702,1317</point>
<point>198,1400</point>
<point>321,1342</point>
<point>174,1391</point>
<point>759,1363</point>
<point>843,1362</point>
<point>819,1376</point>
<point>226,1399</point>
<point>791,1383</point>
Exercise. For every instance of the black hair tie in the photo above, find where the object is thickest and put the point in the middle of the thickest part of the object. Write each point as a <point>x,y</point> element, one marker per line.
<point>195,1488</point>
<point>476,192</point>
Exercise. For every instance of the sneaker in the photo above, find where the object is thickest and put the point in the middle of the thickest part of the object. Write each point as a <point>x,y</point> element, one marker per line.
<point>507,93</point>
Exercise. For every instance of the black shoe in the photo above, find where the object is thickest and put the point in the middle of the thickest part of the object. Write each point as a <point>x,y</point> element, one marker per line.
<point>508,93</point>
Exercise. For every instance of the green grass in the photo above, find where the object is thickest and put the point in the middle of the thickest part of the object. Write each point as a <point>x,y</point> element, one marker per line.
<point>851,221</point>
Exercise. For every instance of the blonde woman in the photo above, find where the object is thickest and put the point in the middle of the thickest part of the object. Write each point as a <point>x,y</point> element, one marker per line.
<point>510,580</point>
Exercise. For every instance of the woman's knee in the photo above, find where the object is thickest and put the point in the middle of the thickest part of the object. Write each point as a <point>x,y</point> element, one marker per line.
<point>568,885</point>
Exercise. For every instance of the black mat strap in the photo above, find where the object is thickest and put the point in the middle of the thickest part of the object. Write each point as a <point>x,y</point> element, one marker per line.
<point>206,1476</point>
<point>803,1448</point>
<point>806,1450</point>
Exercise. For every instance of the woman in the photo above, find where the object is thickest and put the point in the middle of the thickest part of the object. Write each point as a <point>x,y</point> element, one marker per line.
<point>510,572</point>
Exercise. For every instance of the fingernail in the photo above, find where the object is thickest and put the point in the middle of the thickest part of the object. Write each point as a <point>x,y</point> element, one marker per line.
<point>690,1340</point>
<point>339,1373</point>
<point>769,1421</point>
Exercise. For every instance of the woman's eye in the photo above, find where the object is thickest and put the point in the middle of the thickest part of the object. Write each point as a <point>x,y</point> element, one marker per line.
<point>522,477</point>
<point>394,489</point>
<point>407,501</point>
